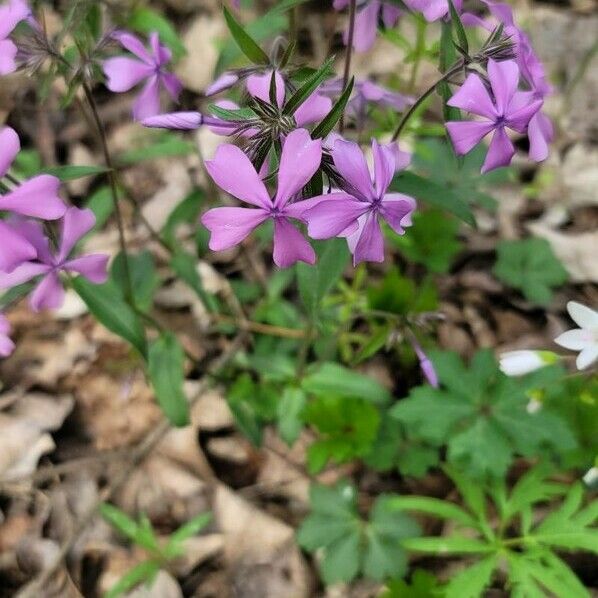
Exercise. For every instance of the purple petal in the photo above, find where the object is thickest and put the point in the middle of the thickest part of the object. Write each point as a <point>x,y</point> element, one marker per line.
<point>232,170</point>
<point>504,79</point>
<point>23,273</point>
<point>370,246</point>
<point>229,226</point>
<point>313,110</point>
<point>334,215</point>
<point>48,294</point>
<point>11,14</point>
<point>519,119</point>
<point>9,148</point>
<point>351,164</point>
<point>34,233</point>
<point>6,344</point>
<point>8,53</point>
<point>125,73</point>
<point>134,45</point>
<point>473,97</point>
<point>259,87</point>
<point>161,54</point>
<point>225,81</point>
<point>402,159</point>
<point>500,152</point>
<point>290,246</point>
<point>297,209</point>
<point>384,165</point>
<point>184,121</point>
<point>540,133</point>
<point>148,101</point>
<point>75,225</point>
<point>465,135</point>
<point>172,84</point>
<point>390,15</point>
<point>300,159</point>
<point>37,197</point>
<point>93,267</point>
<point>366,27</point>
<point>340,4</point>
<point>397,210</point>
<point>14,249</point>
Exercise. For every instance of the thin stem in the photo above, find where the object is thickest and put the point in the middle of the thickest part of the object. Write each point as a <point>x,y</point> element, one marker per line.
<point>113,190</point>
<point>349,54</point>
<point>452,71</point>
<point>12,179</point>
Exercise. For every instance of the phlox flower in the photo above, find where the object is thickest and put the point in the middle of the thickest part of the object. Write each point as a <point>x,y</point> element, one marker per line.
<point>124,72</point>
<point>189,121</point>
<point>37,197</point>
<point>540,130</point>
<point>507,109</point>
<point>11,14</point>
<point>366,21</point>
<point>583,339</point>
<point>49,294</point>
<point>6,344</point>
<point>232,170</point>
<point>433,10</point>
<point>355,212</point>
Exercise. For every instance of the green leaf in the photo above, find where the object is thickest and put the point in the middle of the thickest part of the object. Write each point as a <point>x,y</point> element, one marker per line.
<point>530,266</point>
<point>121,521</point>
<point>144,571</point>
<point>145,20</point>
<point>184,266</point>
<point>329,122</point>
<point>458,26</point>
<point>448,546</point>
<point>238,114</point>
<point>308,87</point>
<point>472,581</point>
<point>71,173</point>
<point>290,407</point>
<point>348,428</point>
<point>433,506</point>
<point>423,585</point>
<point>105,302</point>
<point>144,277</point>
<point>102,206</point>
<point>245,42</point>
<point>432,193</point>
<point>334,379</point>
<point>189,529</point>
<point>432,240</point>
<point>316,281</point>
<point>166,146</point>
<point>166,360</point>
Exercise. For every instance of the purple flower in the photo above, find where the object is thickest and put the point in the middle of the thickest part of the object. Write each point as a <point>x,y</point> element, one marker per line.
<point>49,293</point>
<point>6,344</point>
<point>188,121</point>
<point>433,10</point>
<point>37,197</point>
<point>11,14</point>
<point>222,83</point>
<point>510,109</point>
<point>355,212</point>
<point>124,73</point>
<point>427,367</point>
<point>232,170</point>
<point>314,109</point>
<point>366,21</point>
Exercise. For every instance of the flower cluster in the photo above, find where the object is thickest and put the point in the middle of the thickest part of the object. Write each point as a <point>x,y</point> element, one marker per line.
<point>11,14</point>
<point>29,251</point>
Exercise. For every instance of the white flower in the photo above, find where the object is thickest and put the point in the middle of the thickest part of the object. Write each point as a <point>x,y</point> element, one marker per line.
<point>519,363</point>
<point>591,477</point>
<point>583,339</point>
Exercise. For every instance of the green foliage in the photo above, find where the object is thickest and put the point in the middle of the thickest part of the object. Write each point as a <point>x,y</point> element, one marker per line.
<point>422,585</point>
<point>71,173</point>
<point>144,277</point>
<point>348,428</point>
<point>530,266</point>
<point>164,145</point>
<point>329,122</point>
<point>524,535</point>
<point>481,416</point>
<point>145,20</point>
<point>432,240</point>
<point>308,87</point>
<point>166,360</point>
<point>350,545</point>
<point>143,534</point>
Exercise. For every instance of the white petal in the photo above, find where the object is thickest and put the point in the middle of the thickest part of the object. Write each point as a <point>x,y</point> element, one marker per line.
<point>587,357</point>
<point>583,316</point>
<point>519,363</point>
<point>575,340</point>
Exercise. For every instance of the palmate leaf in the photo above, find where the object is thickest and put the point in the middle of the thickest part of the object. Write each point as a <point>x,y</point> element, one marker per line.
<point>481,416</point>
<point>471,582</point>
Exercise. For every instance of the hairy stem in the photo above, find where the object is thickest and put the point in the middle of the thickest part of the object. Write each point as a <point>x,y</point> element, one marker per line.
<point>445,77</point>
<point>349,55</point>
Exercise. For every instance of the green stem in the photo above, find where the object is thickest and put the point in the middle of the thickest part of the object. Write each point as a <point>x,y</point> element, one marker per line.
<point>445,77</point>
<point>349,55</point>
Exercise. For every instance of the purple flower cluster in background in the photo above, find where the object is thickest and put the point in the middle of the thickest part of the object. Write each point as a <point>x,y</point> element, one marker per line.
<point>11,14</point>
<point>27,252</point>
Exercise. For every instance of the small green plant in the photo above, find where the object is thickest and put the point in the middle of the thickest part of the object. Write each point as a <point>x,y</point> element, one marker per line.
<point>481,415</point>
<point>159,554</point>
<point>522,538</point>
<point>351,545</point>
<point>530,266</point>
